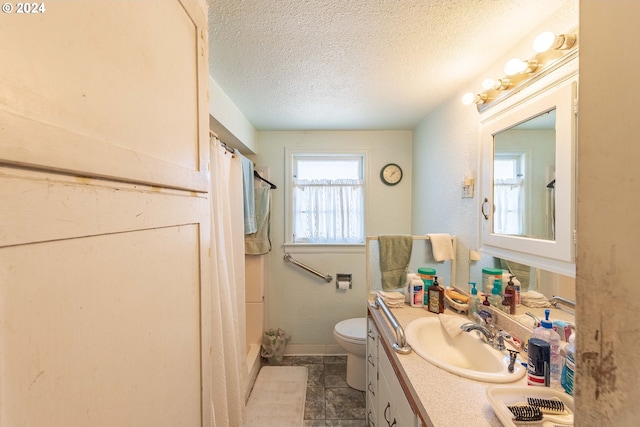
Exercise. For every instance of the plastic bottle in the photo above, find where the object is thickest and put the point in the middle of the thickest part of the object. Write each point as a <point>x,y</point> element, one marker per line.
<point>518,286</point>
<point>489,277</point>
<point>545,332</point>
<point>569,367</point>
<point>416,289</point>
<point>407,288</point>
<point>474,301</point>
<point>427,275</point>
<point>486,302</point>
<point>509,301</point>
<point>436,297</point>
<point>494,299</point>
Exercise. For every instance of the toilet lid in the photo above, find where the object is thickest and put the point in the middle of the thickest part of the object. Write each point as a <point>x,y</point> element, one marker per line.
<point>355,329</point>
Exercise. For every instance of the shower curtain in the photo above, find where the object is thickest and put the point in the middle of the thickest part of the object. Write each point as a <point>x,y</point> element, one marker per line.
<point>228,370</point>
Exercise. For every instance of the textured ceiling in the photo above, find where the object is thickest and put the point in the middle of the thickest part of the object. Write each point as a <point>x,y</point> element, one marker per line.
<point>357,64</point>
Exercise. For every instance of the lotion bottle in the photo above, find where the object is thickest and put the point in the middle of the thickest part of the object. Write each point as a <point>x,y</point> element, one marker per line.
<point>417,292</point>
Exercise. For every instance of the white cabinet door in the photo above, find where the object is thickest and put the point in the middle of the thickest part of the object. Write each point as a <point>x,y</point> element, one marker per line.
<point>394,409</point>
<point>372,373</point>
<point>100,322</point>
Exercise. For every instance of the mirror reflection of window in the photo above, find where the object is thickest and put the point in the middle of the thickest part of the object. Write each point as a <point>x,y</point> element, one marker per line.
<point>523,166</point>
<point>509,216</point>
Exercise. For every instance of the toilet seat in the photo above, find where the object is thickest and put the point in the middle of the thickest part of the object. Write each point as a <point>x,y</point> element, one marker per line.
<point>353,330</point>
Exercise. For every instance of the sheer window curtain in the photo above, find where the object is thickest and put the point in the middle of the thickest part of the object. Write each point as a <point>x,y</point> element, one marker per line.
<point>508,201</point>
<point>228,352</point>
<point>328,211</point>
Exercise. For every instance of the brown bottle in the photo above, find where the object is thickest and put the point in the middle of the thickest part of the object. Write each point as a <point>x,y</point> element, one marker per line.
<point>436,297</point>
<point>510,295</point>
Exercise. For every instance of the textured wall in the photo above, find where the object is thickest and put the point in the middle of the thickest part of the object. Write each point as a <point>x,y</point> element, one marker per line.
<point>304,305</point>
<point>445,148</point>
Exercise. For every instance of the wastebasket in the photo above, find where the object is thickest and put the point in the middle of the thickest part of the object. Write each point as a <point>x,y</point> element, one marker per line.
<point>274,342</point>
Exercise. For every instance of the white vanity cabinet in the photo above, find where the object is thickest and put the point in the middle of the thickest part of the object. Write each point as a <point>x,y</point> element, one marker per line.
<point>372,373</point>
<point>387,405</point>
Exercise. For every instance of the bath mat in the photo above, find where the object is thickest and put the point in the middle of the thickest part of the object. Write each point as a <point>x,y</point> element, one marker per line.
<point>277,398</point>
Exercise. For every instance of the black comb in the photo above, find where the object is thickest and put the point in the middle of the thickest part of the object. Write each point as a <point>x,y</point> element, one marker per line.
<point>547,406</point>
<point>525,413</point>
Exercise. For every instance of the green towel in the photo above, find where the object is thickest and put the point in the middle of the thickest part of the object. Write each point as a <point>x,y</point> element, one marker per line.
<point>395,253</point>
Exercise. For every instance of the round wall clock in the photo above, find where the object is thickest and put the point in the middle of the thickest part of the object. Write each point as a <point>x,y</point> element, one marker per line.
<point>391,174</point>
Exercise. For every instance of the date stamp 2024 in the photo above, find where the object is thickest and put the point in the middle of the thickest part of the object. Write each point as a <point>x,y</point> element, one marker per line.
<point>24,8</point>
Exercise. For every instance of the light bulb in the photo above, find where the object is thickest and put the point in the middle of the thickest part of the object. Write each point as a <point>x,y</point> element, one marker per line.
<point>488,84</point>
<point>496,84</point>
<point>468,98</point>
<point>518,66</point>
<point>549,40</point>
<point>544,42</point>
<point>514,66</point>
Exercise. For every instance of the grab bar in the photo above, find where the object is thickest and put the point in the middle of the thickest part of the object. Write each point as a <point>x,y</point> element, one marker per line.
<point>400,346</point>
<point>327,278</point>
<point>560,300</point>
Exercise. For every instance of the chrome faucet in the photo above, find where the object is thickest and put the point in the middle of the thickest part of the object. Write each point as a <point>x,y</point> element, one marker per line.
<point>495,340</point>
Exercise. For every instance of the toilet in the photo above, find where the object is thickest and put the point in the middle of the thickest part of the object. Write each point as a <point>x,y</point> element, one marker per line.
<point>351,335</point>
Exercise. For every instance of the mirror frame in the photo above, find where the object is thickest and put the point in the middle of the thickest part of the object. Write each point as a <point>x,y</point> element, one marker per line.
<point>552,255</point>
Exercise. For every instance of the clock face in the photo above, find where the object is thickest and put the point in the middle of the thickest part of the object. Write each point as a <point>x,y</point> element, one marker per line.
<point>391,174</point>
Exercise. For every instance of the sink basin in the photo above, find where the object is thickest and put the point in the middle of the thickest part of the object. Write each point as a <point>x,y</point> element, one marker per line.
<point>466,354</point>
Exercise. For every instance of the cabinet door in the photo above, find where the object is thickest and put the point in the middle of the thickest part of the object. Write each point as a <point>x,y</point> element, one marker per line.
<point>101,303</point>
<point>372,373</point>
<point>394,408</point>
<point>528,181</point>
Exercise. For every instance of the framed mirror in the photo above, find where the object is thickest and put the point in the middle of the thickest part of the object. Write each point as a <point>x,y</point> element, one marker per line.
<point>528,181</point>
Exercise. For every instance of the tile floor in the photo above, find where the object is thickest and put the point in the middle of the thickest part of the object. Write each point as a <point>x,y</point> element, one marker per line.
<point>330,401</point>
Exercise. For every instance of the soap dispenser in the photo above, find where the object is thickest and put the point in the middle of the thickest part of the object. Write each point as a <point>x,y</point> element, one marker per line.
<point>494,299</point>
<point>436,297</point>
<point>474,301</point>
<point>509,301</point>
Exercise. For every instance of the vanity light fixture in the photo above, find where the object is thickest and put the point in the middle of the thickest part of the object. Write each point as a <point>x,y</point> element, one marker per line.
<point>552,51</point>
<point>549,40</point>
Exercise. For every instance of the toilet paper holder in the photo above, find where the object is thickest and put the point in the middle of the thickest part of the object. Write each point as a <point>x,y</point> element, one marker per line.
<point>343,281</point>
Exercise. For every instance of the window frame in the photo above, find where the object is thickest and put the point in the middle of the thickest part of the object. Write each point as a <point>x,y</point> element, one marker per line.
<point>290,157</point>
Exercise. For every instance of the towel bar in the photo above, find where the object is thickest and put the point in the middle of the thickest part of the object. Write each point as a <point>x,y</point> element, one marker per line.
<point>327,278</point>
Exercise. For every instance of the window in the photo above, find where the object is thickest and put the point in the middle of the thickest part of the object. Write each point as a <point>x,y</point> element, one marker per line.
<point>508,178</point>
<point>327,198</point>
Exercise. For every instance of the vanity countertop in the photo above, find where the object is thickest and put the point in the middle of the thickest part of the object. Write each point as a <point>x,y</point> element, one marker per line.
<point>439,398</point>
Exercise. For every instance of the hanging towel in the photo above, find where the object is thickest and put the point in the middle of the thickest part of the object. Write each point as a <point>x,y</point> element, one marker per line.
<point>259,243</point>
<point>395,253</point>
<point>248,196</point>
<point>442,246</point>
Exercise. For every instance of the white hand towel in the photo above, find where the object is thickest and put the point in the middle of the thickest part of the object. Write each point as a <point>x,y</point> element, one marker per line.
<point>534,299</point>
<point>442,246</point>
<point>392,299</point>
<point>452,323</point>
